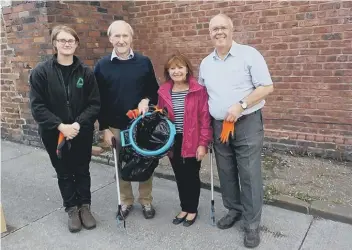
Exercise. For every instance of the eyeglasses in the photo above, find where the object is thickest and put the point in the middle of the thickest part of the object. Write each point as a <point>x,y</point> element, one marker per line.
<point>217,29</point>
<point>64,41</point>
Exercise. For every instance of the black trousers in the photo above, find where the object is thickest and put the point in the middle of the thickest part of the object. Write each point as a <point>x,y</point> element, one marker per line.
<point>73,168</point>
<point>187,177</point>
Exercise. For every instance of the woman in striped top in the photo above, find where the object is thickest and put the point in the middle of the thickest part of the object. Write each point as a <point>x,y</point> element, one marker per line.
<point>187,104</point>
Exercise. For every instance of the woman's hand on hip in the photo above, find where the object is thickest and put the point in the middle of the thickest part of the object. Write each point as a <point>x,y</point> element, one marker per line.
<point>201,152</point>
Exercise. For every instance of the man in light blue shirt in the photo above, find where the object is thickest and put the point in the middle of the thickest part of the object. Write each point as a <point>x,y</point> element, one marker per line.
<point>237,80</point>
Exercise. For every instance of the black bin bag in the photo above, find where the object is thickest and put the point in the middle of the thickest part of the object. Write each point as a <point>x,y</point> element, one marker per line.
<point>150,133</point>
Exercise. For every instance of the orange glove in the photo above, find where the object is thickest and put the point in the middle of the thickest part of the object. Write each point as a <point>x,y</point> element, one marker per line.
<point>157,109</point>
<point>132,114</point>
<point>227,129</point>
<point>61,141</point>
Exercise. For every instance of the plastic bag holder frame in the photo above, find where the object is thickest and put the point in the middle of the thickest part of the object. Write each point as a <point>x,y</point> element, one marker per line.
<point>143,152</point>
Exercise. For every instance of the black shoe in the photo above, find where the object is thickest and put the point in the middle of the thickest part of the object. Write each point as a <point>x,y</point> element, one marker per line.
<point>148,211</point>
<point>251,238</point>
<point>189,223</point>
<point>178,220</point>
<point>228,221</point>
<point>125,210</point>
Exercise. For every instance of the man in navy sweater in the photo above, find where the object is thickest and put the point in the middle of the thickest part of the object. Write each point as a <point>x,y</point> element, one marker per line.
<point>126,80</point>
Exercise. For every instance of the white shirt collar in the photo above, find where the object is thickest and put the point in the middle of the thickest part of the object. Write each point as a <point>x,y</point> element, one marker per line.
<point>114,55</point>
<point>232,51</point>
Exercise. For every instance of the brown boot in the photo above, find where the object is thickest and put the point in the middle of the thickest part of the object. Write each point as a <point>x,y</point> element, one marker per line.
<point>87,218</point>
<point>74,223</point>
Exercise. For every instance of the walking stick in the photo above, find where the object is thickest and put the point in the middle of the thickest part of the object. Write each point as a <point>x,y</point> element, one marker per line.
<point>119,215</point>
<point>212,203</point>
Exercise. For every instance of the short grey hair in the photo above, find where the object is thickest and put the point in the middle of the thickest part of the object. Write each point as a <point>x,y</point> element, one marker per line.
<point>117,22</point>
<point>224,16</point>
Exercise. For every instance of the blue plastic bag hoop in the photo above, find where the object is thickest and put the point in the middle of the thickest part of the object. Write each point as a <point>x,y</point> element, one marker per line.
<point>160,151</point>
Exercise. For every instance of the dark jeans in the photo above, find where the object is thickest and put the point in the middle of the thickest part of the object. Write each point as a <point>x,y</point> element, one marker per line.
<point>73,168</point>
<point>239,168</point>
<point>187,177</point>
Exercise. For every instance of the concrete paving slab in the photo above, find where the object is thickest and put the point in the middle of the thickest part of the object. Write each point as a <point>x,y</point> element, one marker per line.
<point>29,187</point>
<point>281,228</point>
<point>29,191</point>
<point>33,210</point>
<point>10,150</point>
<point>327,235</point>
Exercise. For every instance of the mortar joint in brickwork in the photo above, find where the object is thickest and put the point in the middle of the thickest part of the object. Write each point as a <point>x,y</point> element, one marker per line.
<point>302,115</point>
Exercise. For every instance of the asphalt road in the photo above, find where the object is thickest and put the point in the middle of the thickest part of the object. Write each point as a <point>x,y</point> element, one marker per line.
<point>36,220</point>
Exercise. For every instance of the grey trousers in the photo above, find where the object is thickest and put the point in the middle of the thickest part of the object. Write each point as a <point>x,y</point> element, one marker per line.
<point>239,168</point>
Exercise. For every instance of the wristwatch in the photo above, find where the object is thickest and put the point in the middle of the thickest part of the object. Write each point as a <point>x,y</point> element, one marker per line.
<point>244,105</point>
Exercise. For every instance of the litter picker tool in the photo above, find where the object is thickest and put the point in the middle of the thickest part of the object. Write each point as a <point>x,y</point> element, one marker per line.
<point>212,203</point>
<point>119,215</point>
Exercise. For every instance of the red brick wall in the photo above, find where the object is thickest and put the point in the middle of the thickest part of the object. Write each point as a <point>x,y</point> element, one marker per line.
<point>307,45</point>
<point>91,21</point>
<point>23,36</point>
<point>25,41</point>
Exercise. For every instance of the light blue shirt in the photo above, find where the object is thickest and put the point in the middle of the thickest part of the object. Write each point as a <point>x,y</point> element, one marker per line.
<point>230,80</point>
<point>114,55</point>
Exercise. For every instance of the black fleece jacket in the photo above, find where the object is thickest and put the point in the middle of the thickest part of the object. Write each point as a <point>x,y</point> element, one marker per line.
<point>51,104</point>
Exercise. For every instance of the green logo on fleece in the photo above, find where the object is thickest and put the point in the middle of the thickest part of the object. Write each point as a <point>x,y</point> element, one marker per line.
<point>80,82</point>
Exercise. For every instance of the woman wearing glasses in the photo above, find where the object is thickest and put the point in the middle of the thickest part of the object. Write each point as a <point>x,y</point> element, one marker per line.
<point>65,102</point>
